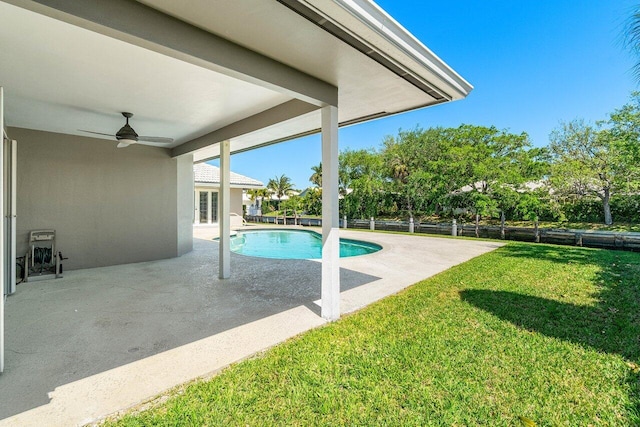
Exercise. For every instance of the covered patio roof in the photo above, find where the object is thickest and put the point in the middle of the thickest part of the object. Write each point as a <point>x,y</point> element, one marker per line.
<point>215,77</point>
<point>254,72</point>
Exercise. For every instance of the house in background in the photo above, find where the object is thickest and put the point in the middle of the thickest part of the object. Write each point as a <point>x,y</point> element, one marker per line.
<point>207,188</point>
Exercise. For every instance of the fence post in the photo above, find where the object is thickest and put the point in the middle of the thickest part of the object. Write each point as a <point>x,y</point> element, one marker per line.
<point>537,235</point>
<point>454,228</point>
<point>372,224</point>
<point>411,226</point>
<point>502,234</point>
<point>579,239</point>
<point>477,225</point>
<point>344,221</point>
<point>618,241</point>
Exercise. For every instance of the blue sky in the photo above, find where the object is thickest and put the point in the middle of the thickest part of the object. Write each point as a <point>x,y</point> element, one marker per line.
<point>533,63</point>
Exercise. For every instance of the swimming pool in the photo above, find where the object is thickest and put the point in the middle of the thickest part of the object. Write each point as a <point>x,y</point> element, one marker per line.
<point>293,244</point>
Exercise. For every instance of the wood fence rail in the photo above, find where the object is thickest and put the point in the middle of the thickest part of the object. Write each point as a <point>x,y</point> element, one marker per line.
<point>629,241</point>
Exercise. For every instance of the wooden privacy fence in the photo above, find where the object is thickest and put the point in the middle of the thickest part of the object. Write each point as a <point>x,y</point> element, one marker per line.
<point>589,238</point>
<point>289,220</point>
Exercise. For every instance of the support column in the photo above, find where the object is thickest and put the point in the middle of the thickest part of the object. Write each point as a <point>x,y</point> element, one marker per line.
<point>330,216</point>
<point>2,236</point>
<point>185,204</point>
<point>224,225</point>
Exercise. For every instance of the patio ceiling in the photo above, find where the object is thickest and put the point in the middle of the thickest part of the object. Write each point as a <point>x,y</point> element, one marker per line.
<point>68,66</point>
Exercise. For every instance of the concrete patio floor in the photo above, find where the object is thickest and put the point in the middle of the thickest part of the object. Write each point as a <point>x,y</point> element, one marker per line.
<point>102,340</point>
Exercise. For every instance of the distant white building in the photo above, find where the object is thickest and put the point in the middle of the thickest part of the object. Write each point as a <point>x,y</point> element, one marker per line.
<point>206,188</point>
<point>522,188</point>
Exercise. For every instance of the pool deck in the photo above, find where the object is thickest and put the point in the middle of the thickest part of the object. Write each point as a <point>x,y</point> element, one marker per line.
<point>100,341</point>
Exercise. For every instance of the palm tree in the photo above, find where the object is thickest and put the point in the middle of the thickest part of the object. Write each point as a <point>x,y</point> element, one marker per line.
<point>255,193</point>
<point>399,166</point>
<point>316,178</point>
<point>632,38</point>
<point>280,186</point>
<point>343,179</point>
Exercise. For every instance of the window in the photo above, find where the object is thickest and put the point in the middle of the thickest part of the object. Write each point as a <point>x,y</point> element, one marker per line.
<point>214,207</point>
<point>204,206</point>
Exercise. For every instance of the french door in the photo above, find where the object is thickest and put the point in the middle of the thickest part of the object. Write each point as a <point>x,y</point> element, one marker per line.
<point>204,207</point>
<point>207,207</point>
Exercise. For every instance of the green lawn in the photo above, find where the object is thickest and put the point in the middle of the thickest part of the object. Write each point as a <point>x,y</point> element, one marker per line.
<point>547,332</point>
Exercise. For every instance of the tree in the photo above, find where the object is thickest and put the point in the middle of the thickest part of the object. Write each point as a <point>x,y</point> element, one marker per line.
<point>624,125</point>
<point>501,164</point>
<point>316,177</point>
<point>428,167</point>
<point>258,193</point>
<point>312,201</point>
<point>294,203</point>
<point>530,206</point>
<point>361,176</point>
<point>632,38</point>
<point>594,160</point>
<point>280,186</point>
<point>411,163</point>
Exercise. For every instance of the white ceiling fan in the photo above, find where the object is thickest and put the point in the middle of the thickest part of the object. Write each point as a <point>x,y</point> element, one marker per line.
<point>127,136</point>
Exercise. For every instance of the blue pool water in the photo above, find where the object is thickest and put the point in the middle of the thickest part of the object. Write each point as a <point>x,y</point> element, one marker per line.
<point>293,244</point>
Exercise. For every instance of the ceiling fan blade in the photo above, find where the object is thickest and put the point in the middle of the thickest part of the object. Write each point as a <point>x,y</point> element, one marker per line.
<point>97,133</point>
<point>155,139</point>
<point>123,144</point>
<point>155,144</point>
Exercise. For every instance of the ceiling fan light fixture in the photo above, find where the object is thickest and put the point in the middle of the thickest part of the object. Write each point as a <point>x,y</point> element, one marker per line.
<point>127,136</point>
<point>123,143</point>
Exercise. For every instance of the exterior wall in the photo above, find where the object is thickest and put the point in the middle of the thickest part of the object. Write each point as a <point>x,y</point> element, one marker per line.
<point>108,206</point>
<point>185,203</point>
<point>236,203</point>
